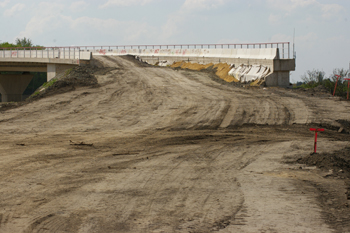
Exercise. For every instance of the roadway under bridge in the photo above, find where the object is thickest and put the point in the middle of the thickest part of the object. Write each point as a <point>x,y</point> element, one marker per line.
<point>275,58</point>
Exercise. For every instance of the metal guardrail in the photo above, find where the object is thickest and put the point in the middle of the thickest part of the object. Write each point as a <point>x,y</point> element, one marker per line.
<point>66,52</point>
<point>283,47</point>
<point>41,52</point>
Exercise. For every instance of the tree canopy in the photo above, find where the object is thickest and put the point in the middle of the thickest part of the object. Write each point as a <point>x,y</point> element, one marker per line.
<point>24,42</point>
<point>7,45</point>
<point>19,42</point>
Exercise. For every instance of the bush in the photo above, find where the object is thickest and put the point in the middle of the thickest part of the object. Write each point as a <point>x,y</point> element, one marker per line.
<point>25,42</point>
<point>314,78</point>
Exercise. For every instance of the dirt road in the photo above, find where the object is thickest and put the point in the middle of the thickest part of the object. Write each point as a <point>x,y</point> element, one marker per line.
<point>160,150</point>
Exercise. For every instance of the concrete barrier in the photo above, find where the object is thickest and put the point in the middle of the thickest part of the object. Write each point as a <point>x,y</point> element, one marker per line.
<point>46,54</point>
<point>268,53</point>
<point>250,73</point>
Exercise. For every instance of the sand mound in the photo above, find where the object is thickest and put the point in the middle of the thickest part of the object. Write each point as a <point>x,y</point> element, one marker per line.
<point>76,77</point>
<point>220,69</point>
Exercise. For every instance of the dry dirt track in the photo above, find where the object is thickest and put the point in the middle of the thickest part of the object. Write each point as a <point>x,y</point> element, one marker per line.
<point>173,151</point>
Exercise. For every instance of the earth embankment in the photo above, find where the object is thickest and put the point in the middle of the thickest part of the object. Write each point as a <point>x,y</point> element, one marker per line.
<point>153,149</point>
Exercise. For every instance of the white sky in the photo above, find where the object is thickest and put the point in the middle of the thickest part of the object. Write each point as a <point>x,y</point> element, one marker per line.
<point>322,26</point>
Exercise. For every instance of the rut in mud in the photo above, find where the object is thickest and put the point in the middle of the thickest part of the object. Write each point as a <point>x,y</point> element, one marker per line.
<point>150,149</point>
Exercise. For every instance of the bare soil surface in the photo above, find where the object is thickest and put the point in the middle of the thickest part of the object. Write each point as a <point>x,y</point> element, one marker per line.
<point>150,149</point>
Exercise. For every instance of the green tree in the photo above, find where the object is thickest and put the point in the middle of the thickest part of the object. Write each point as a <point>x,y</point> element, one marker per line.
<point>7,45</point>
<point>313,77</point>
<point>24,42</point>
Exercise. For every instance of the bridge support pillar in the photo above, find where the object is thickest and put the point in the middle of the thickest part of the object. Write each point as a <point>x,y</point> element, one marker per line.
<point>51,71</point>
<point>12,86</point>
<point>278,79</point>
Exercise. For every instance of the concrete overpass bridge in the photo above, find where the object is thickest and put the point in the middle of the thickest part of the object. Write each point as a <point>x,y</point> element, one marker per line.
<point>276,57</point>
<point>51,60</point>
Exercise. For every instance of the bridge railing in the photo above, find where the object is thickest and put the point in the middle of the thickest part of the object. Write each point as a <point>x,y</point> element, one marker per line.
<point>283,47</point>
<point>75,52</point>
<point>41,52</point>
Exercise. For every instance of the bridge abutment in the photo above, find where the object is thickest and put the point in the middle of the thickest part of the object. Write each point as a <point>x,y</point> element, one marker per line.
<point>55,69</point>
<point>51,71</point>
<point>12,86</point>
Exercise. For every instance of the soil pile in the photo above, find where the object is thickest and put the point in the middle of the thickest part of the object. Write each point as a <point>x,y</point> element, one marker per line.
<point>80,76</point>
<point>338,163</point>
<point>334,201</point>
<point>319,91</point>
<point>68,81</point>
<point>221,69</point>
<point>345,126</point>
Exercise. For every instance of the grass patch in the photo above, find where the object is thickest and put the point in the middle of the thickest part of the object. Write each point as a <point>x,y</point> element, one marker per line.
<point>36,93</point>
<point>308,85</point>
<point>44,86</point>
<point>50,83</point>
<point>67,72</point>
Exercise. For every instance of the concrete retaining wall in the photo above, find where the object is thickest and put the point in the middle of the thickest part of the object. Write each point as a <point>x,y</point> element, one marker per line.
<point>268,53</point>
<point>205,60</point>
<point>280,79</point>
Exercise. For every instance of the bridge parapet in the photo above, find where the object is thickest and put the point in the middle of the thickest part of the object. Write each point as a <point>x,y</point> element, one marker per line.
<point>66,55</point>
<point>270,53</point>
<point>283,48</point>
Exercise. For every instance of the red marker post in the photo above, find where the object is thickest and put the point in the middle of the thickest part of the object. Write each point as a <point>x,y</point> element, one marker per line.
<point>316,130</point>
<point>338,76</point>
<point>348,79</point>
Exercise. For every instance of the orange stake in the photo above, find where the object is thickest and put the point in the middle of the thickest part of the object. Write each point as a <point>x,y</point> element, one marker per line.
<point>316,130</point>
<point>338,76</point>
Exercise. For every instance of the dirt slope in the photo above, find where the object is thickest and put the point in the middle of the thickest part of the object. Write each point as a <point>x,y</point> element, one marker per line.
<point>172,151</point>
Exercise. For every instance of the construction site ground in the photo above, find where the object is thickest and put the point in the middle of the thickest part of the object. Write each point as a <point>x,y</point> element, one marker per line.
<point>139,148</point>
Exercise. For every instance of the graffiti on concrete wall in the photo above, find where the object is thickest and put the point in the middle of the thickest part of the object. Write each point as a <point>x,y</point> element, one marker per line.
<point>102,51</point>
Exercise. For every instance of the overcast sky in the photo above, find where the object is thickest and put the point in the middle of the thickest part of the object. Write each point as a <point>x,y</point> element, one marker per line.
<point>322,26</point>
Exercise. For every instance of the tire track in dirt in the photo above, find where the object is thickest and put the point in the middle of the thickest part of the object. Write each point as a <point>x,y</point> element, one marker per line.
<point>139,94</point>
